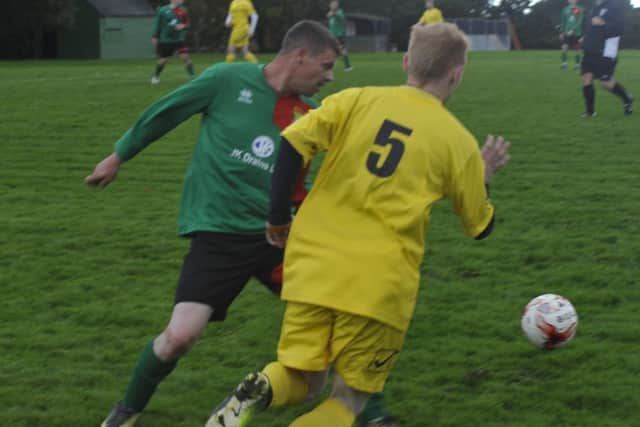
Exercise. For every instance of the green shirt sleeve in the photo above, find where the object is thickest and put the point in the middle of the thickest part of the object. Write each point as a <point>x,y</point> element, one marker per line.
<point>188,21</point>
<point>580,20</point>
<point>168,112</point>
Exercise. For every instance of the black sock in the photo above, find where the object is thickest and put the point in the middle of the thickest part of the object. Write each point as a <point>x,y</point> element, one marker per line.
<point>189,68</point>
<point>159,68</point>
<point>619,90</point>
<point>589,97</point>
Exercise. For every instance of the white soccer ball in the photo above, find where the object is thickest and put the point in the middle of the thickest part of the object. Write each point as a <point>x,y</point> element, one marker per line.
<point>549,321</point>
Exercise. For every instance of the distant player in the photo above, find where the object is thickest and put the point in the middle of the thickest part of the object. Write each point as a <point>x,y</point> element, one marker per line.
<point>172,22</point>
<point>337,23</point>
<point>431,15</point>
<point>571,31</point>
<point>243,21</point>
<point>353,255</point>
<point>603,30</point>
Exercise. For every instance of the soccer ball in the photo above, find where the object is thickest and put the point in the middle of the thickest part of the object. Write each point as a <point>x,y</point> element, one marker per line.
<point>549,321</point>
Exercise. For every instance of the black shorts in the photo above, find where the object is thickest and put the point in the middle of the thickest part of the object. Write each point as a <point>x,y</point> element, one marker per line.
<point>165,50</point>
<point>572,41</point>
<point>219,265</point>
<point>601,67</point>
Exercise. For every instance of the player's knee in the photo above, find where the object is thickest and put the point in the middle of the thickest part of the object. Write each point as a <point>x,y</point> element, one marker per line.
<point>177,341</point>
<point>316,382</point>
<point>608,84</point>
<point>315,390</point>
<point>352,399</point>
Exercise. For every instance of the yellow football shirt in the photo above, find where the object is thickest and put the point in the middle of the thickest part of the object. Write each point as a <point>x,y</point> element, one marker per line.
<point>431,16</point>
<point>240,11</point>
<point>358,240</point>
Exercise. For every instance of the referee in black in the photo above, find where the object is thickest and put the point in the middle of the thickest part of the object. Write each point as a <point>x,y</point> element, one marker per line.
<point>602,33</point>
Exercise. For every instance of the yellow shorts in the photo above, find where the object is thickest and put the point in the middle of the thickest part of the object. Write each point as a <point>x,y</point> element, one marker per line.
<point>363,351</point>
<point>239,37</point>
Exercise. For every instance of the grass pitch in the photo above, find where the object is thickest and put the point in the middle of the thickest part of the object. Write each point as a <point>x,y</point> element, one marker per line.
<point>88,277</point>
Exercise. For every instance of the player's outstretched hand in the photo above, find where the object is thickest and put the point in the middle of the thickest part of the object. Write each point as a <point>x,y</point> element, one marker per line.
<point>105,172</point>
<point>495,154</point>
<point>277,234</point>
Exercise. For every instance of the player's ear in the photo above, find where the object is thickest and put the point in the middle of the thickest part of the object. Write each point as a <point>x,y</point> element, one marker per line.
<point>300,54</point>
<point>456,75</point>
<point>405,62</point>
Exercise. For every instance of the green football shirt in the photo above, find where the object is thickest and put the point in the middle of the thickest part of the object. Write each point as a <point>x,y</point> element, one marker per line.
<point>336,23</point>
<point>572,18</point>
<point>227,183</point>
<point>165,24</point>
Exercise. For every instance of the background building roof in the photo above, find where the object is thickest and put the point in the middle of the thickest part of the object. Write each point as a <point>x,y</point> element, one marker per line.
<point>122,7</point>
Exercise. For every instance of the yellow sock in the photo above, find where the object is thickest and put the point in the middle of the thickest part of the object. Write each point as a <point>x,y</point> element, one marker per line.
<point>328,413</point>
<point>230,57</point>
<point>250,57</point>
<point>287,386</point>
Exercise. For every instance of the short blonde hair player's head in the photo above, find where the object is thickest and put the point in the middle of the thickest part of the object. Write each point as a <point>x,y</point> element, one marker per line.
<point>436,58</point>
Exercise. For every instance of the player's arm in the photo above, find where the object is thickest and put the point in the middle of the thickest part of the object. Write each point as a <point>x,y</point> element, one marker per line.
<point>579,23</point>
<point>470,187</point>
<point>254,23</point>
<point>186,21</point>
<point>613,21</point>
<point>283,181</point>
<point>301,141</point>
<point>228,21</point>
<point>157,120</point>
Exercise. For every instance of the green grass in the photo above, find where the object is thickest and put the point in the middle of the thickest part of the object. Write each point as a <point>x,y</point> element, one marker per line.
<point>87,277</point>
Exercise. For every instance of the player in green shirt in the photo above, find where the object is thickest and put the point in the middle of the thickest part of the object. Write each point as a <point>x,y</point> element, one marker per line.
<point>337,22</point>
<point>571,31</point>
<point>169,33</point>
<point>225,200</point>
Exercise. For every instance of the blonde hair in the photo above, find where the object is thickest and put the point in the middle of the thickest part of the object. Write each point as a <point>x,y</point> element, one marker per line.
<point>435,49</point>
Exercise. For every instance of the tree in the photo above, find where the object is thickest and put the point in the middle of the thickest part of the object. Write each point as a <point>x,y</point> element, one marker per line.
<point>26,22</point>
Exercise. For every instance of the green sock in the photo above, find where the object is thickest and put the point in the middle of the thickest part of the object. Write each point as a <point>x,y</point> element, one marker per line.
<point>374,409</point>
<point>578,58</point>
<point>190,69</point>
<point>146,376</point>
<point>347,63</point>
<point>159,68</point>
<point>564,57</point>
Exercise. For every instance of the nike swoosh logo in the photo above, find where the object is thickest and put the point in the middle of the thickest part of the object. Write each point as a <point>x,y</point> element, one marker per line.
<point>380,363</point>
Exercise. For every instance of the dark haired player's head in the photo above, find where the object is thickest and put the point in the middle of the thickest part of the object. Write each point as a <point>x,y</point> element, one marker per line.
<point>311,36</point>
<point>308,54</point>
